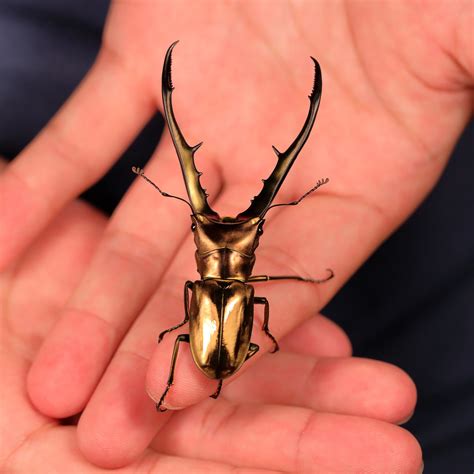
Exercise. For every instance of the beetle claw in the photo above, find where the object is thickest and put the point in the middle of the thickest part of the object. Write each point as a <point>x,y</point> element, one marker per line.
<point>159,405</point>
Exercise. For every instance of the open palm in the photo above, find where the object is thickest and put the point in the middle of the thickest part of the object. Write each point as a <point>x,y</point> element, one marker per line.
<point>385,129</point>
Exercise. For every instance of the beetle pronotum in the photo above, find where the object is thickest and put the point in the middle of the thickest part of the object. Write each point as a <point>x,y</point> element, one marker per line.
<point>220,312</point>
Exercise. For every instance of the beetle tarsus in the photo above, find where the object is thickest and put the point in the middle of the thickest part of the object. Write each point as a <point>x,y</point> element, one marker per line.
<point>218,390</point>
<point>180,338</point>
<point>159,405</point>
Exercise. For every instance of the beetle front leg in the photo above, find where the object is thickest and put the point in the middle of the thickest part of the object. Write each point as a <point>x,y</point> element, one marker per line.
<point>264,301</point>
<point>180,338</point>
<point>187,286</point>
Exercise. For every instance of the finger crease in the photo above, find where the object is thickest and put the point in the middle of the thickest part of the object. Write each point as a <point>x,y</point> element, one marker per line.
<point>298,459</point>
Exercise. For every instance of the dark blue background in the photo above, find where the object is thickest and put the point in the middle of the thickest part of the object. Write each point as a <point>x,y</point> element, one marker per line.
<point>410,304</point>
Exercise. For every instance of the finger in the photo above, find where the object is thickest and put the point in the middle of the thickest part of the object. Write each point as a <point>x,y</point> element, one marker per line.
<point>120,420</point>
<point>53,449</point>
<point>75,148</point>
<point>18,417</point>
<point>349,386</point>
<point>317,336</point>
<point>288,439</point>
<point>127,266</point>
<point>41,282</point>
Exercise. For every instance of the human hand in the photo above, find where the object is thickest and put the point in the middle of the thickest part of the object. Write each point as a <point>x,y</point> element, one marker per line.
<point>315,408</point>
<point>357,213</point>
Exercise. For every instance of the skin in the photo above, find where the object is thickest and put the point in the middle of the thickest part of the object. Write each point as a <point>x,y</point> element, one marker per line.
<point>83,297</point>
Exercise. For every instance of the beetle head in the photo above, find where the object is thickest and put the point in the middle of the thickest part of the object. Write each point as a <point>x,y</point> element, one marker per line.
<point>228,232</point>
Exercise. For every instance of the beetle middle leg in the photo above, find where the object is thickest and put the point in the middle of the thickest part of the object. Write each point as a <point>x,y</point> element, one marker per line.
<point>260,278</point>
<point>180,338</point>
<point>187,286</point>
<point>266,318</point>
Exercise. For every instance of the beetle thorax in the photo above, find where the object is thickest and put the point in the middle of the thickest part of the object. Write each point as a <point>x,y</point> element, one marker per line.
<point>226,247</point>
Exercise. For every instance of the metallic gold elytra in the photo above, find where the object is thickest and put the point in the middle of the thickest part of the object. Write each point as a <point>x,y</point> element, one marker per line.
<point>220,321</point>
<point>221,309</point>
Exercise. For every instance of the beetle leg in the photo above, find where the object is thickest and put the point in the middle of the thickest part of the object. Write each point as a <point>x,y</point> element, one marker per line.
<point>218,390</point>
<point>180,338</point>
<point>187,286</point>
<point>259,278</point>
<point>253,349</point>
<point>264,301</point>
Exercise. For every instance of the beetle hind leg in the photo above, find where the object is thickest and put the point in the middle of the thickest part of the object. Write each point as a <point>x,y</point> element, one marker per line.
<point>218,390</point>
<point>266,318</point>
<point>180,338</point>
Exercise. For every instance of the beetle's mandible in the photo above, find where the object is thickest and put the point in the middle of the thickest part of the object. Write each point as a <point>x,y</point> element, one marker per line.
<point>220,310</point>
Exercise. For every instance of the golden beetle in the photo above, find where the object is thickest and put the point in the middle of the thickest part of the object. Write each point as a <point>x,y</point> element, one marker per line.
<point>220,312</point>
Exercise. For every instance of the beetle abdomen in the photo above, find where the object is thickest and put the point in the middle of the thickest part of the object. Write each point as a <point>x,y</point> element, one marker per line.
<point>220,325</point>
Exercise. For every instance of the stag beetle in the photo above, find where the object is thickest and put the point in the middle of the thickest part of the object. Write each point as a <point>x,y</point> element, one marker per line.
<point>220,312</point>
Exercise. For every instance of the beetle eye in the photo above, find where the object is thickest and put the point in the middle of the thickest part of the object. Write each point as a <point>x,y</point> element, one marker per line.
<point>193,226</point>
<point>260,231</point>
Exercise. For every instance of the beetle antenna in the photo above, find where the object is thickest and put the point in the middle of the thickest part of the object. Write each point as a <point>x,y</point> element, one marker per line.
<point>320,183</point>
<point>141,172</point>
